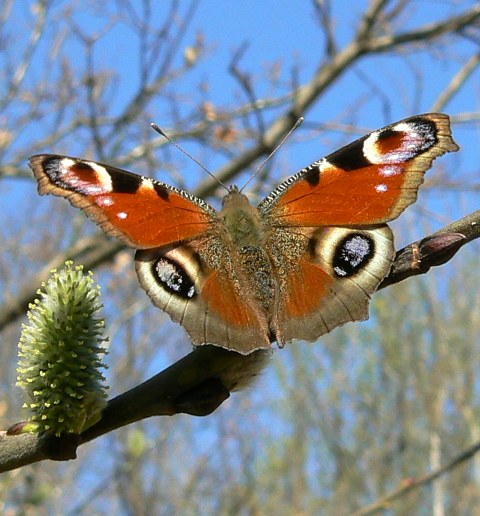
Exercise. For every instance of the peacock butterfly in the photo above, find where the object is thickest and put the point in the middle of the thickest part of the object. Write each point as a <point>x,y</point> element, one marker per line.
<point>306,260</point>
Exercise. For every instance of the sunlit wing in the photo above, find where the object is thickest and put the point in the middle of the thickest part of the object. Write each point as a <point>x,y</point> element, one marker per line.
<point>370,181</point>
<point>332,284</point>
<point>206,302</point>
<point>142,212</point>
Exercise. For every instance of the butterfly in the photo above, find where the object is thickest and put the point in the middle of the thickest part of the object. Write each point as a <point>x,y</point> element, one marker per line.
<point>304,261</point>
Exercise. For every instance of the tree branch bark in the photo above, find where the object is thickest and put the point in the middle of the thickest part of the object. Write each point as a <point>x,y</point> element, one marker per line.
<point>410,484</point>
<point>200,382</point>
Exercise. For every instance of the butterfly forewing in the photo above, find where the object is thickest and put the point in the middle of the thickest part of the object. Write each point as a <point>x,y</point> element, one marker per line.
<point>371,181</point>
<point>142,212</point>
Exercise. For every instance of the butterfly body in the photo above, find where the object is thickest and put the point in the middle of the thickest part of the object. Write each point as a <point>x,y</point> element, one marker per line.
<point>306,260</point>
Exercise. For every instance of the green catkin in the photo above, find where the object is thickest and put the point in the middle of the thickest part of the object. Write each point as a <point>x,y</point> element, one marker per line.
<point>60,353</point>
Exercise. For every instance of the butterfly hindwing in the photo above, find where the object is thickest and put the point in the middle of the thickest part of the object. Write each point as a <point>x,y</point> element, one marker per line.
<point>334,280</point>
<point>207,302</point>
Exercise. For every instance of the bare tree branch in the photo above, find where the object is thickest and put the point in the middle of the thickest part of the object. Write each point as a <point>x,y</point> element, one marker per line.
<point>411,484</point>
<point>433,250</point>
<point>324,10</point>
<point>25,62</point>
<point>200,382</point>
<point>427,33</point>
<point>92,250</point>
<point>196,385</point>
<point>457,82</point>
<point>370,18</point>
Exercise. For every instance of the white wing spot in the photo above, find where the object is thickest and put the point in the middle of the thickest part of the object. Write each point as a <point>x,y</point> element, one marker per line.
<point>381,188</point>
<point>370,148</point>
<point>122,215</point>
<point>404,127</point>
<point>103,176</point>
<point>390,170</point>
<point>66,164</point>
<point>105,200</point>
<point>146,184</point>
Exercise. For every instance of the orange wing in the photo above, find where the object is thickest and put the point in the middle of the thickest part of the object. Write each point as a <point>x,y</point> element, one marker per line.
<point>370,181</point>
<point>332,283</point>
<point>141,212</point>
<point>207,302</point>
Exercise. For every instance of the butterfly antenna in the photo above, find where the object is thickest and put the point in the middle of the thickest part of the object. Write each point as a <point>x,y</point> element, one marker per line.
<point>181,149</point>
<point>269,157</point>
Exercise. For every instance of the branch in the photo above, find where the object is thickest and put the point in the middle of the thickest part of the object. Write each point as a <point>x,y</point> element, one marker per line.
<point>457,82</point>
<point>433,250</point>
<point>90,252</point>
<point>200,382</point>
<point>12,87</point>
<point>426,33</point>
<point>324,12</point>
<point>371,16</point>
<point>411,484</point>
<point>196,385</point>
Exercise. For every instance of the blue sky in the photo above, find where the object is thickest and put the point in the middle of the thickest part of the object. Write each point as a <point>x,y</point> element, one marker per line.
<point>289,36</point>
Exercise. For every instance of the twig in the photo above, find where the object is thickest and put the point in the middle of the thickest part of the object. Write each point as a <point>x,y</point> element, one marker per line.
<point>196,385</point>
<point>457,82</point>
<point>245,81</point>
<point>436,249</point>
<point>411,484</point>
